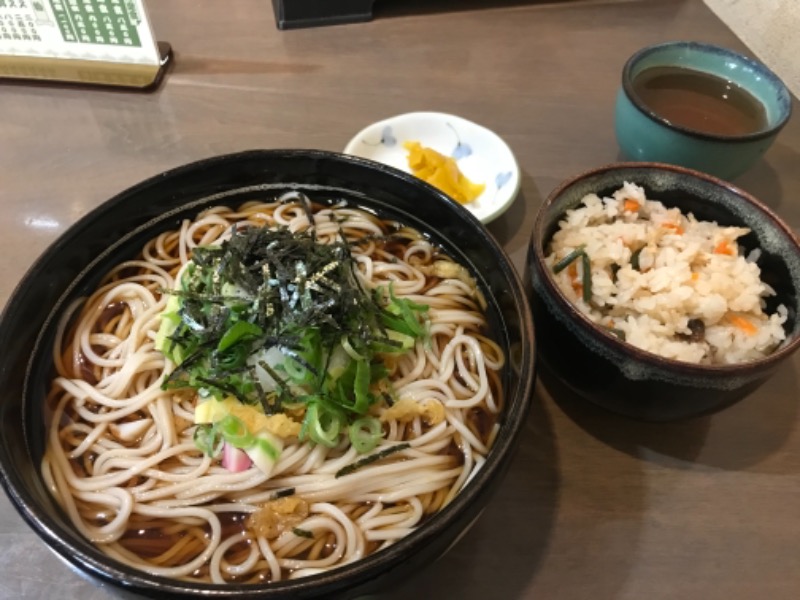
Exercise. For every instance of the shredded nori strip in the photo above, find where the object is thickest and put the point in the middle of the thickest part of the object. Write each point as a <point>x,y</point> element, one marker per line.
<point>371,459</point>
<point>285,492</point>
<point>222,386</point>
<point>305,533</point>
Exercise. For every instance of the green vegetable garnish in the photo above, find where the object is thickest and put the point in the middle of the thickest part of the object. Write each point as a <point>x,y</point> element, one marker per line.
<point>239,331</point>
<point>322,423</point>
<point>235,432</point>
<point>586,280</point>
<point>277,319</point>
<point>569,258</point>
<point>208,439</point>
<point>365,433</point>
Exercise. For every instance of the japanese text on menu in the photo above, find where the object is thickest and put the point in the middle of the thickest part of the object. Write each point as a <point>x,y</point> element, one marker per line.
<point>108,22</point>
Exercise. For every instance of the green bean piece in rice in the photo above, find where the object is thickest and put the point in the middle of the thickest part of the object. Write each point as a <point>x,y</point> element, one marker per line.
<point>568,260</point>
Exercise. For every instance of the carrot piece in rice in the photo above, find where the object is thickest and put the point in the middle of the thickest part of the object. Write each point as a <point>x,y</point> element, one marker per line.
<point>630,205</point>
<point>676,227</point>
<point>724,247</point>
<point>741,323</point>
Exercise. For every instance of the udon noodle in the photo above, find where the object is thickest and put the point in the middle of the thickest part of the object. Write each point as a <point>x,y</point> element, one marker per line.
<point>121,457</point>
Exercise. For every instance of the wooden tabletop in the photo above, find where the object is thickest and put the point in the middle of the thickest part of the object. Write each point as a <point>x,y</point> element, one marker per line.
<point>594,505</point>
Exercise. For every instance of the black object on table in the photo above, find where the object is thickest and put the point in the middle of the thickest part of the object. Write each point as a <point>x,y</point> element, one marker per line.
<point>294,14</point>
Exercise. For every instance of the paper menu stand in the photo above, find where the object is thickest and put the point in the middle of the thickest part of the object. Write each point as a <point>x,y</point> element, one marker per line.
<point>96,42</point>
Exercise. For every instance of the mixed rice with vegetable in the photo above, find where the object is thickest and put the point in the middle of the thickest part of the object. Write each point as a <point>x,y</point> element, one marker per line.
<point>664,281</point>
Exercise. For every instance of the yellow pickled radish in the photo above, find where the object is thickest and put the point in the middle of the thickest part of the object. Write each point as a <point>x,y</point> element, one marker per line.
<point>441,171</point>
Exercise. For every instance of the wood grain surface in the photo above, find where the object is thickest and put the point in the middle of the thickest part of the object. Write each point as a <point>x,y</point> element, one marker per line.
<point>594,505</point>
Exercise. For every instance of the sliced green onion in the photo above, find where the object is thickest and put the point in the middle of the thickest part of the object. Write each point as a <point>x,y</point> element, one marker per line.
<point>408,311</point>
<point>235,432</point>
<point>305,362</point>
<point>569,258</point>
<point>348,348</point>
<point>365,433</point>
<point>414,306</point>
<point>394,342</point>
<point>296,371</point>
<point>237,332</point>
<point>378,372</point>
<point>233,359</point>
<point>394,322</point>
<point>208,440</point>
<point>361,387</point>
<point>321,425</point>
<point>263,445</point>
<point>351,390</point>
<point>400,315</point>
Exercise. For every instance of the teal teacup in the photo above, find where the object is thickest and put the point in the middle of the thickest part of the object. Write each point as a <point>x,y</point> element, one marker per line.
<point>699,106</point>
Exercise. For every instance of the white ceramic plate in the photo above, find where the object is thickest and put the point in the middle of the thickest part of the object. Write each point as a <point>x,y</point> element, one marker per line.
<point>481,155</point>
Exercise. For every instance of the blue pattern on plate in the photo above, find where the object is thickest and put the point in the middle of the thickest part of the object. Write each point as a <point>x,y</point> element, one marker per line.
<point>387,138</point>
<point>461,150</point>
<point>502,178</point>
